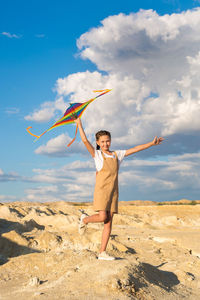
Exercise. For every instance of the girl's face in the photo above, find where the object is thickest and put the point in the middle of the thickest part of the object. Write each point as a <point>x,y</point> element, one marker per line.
<point>104,142</point>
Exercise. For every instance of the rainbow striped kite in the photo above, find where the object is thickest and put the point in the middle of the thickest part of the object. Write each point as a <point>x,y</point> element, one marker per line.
<point>75,109</point>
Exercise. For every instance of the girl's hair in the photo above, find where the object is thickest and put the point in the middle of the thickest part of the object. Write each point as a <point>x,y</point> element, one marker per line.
<point>101,133</point>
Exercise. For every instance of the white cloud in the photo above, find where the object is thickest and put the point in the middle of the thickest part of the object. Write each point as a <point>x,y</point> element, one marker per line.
<point>178,172</point>
<point>11,176</point>
<point>11,35</point>
<point>139,179</point>
<point>47,111</point>
<point>104,112</point>
<point>161,52</point>
<point>152,65</point>
<point>79,172</point>
<point>72,182</point>
<point>42,193</point>
<point>140,41</point>
<point>58,146</point>
<point>8,198</point>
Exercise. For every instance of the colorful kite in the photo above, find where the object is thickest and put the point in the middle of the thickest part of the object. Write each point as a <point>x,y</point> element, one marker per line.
<point>74,110</point>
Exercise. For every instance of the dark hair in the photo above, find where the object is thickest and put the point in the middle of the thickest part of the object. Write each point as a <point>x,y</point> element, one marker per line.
<point>101,133</point>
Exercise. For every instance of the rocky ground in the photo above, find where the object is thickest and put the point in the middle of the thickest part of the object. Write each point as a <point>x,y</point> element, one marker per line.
<point>42,256</point>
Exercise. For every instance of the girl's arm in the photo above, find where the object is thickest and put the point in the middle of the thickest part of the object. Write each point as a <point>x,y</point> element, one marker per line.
<point>87,144</point>
<point>156,141</point>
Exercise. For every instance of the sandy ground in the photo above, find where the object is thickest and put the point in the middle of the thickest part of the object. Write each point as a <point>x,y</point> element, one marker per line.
<point>42,256</point>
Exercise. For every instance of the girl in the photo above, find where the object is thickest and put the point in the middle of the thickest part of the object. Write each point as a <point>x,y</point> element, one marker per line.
<point>106,188</point>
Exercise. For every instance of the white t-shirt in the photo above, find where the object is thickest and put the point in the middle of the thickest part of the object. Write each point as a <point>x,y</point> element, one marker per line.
<point>98,158</point>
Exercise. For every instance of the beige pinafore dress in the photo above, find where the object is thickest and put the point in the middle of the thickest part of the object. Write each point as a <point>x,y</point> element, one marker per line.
<point>106,187</point>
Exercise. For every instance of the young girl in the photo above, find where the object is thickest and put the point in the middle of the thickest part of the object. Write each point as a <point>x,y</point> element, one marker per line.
<point>106,188</point>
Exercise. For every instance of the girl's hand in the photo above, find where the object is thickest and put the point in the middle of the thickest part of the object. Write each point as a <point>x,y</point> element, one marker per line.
<point>157,140</point>
<point>75,119</point>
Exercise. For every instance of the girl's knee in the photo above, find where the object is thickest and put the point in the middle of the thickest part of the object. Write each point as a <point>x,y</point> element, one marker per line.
<point>109,218</point>
<point>103,216</point>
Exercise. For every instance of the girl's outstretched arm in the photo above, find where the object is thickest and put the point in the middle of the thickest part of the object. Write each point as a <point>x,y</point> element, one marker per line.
<point>87,144</point>
<point>156,141</point>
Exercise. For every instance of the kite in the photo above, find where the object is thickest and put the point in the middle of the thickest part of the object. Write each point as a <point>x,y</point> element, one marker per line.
<point>75,110</point>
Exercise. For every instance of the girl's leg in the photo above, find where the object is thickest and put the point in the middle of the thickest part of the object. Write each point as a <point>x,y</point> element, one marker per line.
<point>100,217</point>
<point>106,231</point>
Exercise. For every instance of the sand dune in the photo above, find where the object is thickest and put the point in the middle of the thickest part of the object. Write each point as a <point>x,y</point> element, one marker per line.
<point>42,256</point>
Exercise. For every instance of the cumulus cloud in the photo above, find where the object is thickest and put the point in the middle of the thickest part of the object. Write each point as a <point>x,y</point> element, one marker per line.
<point>140,41</point>
<point>58,147</point>
<point>114,111</point>
<point>187,109</point>
<point>152,64</point>
<point>47,111</point>
<point>162,53</point>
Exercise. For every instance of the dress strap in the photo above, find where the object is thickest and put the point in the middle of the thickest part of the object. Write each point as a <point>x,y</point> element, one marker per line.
<point>103,155</point>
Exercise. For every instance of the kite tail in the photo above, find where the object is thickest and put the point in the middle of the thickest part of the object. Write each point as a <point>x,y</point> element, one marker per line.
<point>102,92</point>
<point>37,136</point>
<point>105,90</point>
<point>74,137</point>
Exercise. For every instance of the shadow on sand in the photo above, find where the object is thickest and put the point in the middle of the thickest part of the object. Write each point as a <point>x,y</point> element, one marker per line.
<point>10,248</point>
<point>147,273</point>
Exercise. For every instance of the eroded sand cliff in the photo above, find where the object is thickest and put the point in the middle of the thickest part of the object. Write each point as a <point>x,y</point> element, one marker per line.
<point>42,256</point>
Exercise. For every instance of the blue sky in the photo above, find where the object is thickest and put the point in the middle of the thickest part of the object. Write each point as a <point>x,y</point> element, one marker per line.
<point>44,58</point>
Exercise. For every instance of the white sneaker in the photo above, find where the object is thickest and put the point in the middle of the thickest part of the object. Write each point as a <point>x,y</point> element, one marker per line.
<point>104,256</point>
<point>82,225</point>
